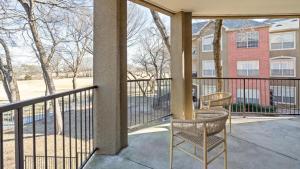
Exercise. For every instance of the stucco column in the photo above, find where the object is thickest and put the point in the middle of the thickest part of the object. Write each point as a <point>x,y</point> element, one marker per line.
<point>110,70</point>
<point>181,65</point>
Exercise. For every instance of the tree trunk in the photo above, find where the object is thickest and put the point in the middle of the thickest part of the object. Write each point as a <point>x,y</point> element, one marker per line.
<point>74,80</point>
<point>9,80</point>
<point>42,57</point>
<point>162,29</point>
<point>217,53</point>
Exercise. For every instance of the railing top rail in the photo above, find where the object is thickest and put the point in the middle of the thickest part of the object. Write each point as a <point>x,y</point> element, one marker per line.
<point>138,80</point>
<point>248,78</point>
<point>16,105</point>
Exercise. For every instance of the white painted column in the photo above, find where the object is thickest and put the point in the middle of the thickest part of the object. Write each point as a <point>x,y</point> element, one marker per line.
<point>181,65</point>
<point>110,72</point>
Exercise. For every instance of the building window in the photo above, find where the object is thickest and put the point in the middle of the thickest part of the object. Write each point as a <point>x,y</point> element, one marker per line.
<point>248,68</point>
<point>284,94</point>
<point>282,41</point>
<point>207,43</point>
<point>208,68</point>
<point>283,67</point>
<point>247,39</point>
<point>208,89</point>
<point>251,96</point>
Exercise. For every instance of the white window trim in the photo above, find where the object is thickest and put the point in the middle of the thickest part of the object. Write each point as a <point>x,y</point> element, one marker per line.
<point>247,71</point>
<point>282,57</point>
<point>247,40</point>
<point>257,92</point>
<point>214,68</point>
<point>295,94</point>
<point>202,45</point>
<point>295,41</point>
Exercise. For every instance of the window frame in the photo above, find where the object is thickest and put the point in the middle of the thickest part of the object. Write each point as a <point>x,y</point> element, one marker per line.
<point>281,58</point>
<point>295,41</point>
<point>281,102</point>
<point>248,91</point>
<point>247,46</point>
<point>237,70</point>
<point>202,44</point>
<point>212,49</point>
<point>202,72</point>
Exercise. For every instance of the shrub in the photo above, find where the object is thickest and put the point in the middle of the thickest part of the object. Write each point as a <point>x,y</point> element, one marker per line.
<point>28,77</point>
<point>251,107</point>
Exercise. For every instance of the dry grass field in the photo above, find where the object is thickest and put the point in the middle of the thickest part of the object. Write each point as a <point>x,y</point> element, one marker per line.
<point>36,88</point>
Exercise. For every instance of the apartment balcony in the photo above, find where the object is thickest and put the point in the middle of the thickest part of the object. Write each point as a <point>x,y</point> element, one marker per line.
<point>255,142</point>
<point>92,127</point>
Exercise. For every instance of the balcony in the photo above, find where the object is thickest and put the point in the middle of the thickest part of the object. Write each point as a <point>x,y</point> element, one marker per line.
<point>88,127</point>
<point>255,142</point>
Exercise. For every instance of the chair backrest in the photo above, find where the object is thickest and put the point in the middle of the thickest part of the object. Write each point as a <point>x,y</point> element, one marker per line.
<point>212,123</point>
<point>218,99</point>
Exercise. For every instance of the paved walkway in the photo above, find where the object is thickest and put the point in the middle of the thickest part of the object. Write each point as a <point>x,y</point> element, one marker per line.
<point>255,143</point>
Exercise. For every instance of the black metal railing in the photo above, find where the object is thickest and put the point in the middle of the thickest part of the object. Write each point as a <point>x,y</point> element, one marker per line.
<point>54,129</point>
<point>148,100</point>
<point>275,96</point>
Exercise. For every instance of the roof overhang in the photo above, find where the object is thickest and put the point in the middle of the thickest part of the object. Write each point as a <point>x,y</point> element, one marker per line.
<point>226,8</point>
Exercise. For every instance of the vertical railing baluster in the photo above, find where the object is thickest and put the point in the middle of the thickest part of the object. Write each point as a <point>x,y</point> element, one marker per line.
<point>143,90</point>
<point>70,131</point>
<point>135,103</point>
<point>89,91</point>
<point>93,116</point>
<point>1,141</point>
<point>85,133</point>
<point>55,132</point>
<point>80,128</point>
<point>63,130</point>
<point>244,102</point>
<point>19,149</point>
<point>45,131</point>
<point>33,136</point>
<point>76,154</point>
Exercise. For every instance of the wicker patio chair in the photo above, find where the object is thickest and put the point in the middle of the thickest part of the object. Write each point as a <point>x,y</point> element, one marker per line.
<point>201,133</point>
<point>217,101</point>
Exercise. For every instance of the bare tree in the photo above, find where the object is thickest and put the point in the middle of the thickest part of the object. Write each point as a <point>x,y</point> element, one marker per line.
<point>162,29</point>
<point>9,80</point>
<point>217,52</point>
<point>153,57</point>
<point>44,21</point>
<point>78,41</point>
<point>152,60</point>
<point>136,20</point>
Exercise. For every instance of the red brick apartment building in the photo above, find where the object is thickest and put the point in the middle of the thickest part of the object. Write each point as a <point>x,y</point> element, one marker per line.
<point>250,49</point>
<point>248,57</point>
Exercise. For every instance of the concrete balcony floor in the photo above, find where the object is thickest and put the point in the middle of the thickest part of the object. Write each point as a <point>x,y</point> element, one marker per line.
<point>255,143</point>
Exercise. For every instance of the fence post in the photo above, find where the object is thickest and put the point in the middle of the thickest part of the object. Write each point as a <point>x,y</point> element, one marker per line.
<point>244,102</point>
<point>19,139</point>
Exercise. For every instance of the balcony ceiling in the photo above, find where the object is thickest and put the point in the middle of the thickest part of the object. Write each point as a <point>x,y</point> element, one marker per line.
<point>230,7</point>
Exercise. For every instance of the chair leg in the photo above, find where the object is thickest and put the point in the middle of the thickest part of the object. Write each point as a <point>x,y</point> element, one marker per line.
<point>225,149</point>
<point>171,150</point>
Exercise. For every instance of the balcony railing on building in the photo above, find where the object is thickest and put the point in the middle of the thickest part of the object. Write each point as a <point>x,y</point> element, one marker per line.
<point>29,137</point>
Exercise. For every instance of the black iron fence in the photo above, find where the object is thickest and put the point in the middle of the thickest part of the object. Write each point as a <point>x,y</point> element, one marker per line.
<point>63,130</point>
<point>254,95</point>
<point>148,100</point>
